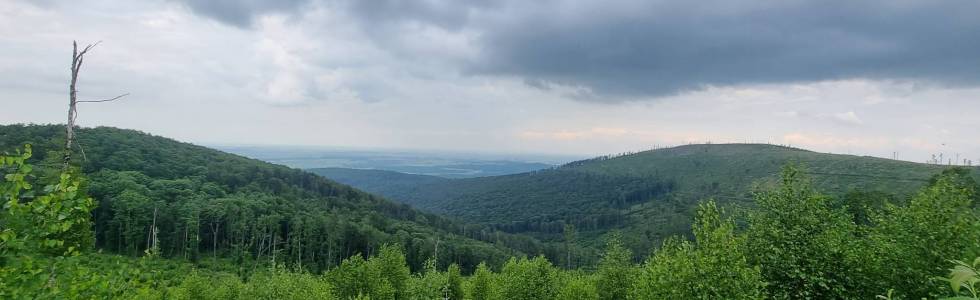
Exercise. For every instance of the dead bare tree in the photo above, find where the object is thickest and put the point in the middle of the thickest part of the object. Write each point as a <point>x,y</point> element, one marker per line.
<point>77,57</point>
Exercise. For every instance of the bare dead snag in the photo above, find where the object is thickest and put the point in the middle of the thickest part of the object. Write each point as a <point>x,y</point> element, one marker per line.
<point>77,57</point>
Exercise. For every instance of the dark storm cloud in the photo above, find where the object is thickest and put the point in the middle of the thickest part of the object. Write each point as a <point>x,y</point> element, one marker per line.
<point>241,12</point>
<point>622,50</point>
<point>664,48</point>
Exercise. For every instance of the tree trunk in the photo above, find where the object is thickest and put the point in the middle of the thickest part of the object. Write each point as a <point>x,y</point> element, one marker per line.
<point>77,57</point>
<point>184,243</point>
<point>214,239</point>
<point>76,64</point>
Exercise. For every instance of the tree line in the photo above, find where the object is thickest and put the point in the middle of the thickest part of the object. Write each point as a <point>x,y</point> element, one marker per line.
<point>795,244</point>
<point>194,203</point>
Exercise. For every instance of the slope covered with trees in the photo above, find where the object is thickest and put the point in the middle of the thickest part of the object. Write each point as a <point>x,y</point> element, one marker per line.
<point>380,182</point>
<point>651,195</point>
<point>189,202</point>
<point>796,244</point>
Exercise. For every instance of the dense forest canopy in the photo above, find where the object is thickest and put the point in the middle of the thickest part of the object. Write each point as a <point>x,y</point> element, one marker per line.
<point>184,222</point>
<point>650,195</point>
<point>205,203</point>
<point>430,150</point>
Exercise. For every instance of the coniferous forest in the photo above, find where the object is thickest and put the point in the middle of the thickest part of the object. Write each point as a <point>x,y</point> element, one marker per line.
<point>147,217</point>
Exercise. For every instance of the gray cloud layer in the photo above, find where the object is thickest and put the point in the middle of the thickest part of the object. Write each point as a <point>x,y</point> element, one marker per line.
<point>242,12</point>
<point>663,48</point>
<point>497,76</point>
<point>616,50</point>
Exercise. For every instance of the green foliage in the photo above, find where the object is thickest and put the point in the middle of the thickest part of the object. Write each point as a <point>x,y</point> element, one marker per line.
<point>227,211</point>
<point>616,271</point>
<point>433,284</point>
<point>962,177</point>
<point>915,241</point>
<point>384,276</point>
<point>542,202</point>
<point>453,289</point>
<point>215,286</point>
<point>280,284</point>
<point>257,231</point>
<point>528,279</point>
<point>668,273</point>
<point>56,222</point>
<point>862,205</point>
<point>804,247</point>
<point>391,266</point>
<point>577,286</point>
<point>482,285</point>
<point>714,267</point>
<point>964,280</point>
<point>42,233</point>
<point>274,284</point>
<point>649,195</point>
<point>353,278</point>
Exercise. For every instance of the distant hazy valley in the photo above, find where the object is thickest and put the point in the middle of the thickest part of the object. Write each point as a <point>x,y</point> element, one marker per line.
<point>433,163</point>
<point>650,195</point>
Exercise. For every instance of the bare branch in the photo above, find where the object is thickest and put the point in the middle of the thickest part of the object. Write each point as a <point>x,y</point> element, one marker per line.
<point>89,47</point>
<point>104,100</point>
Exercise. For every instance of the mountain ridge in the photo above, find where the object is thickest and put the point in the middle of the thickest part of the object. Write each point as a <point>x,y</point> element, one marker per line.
<point>650,193</point>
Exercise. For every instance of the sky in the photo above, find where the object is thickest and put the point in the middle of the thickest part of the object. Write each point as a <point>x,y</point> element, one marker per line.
<point>875,77</point>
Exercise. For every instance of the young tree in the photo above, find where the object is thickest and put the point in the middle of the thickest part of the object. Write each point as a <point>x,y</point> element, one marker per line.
<point>57,222</point>
<point>390,265</point>
<point>527,279</point>
<point>714,267</point>
<point>806,248</point>
<point>430,284</point>
<point>42,231</point>
<point>917,241</point>
<point>569,233</point>
<point>482,285</point>
<point>576,285</point>
<point>351,279</point>
<point>615,270</point>
<point>453,289</point>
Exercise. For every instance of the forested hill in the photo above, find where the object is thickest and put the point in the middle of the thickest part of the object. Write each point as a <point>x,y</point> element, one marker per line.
<point>210,204</point>
<point>380,182</point>
<point>228,227</point>
<point>650,195</point>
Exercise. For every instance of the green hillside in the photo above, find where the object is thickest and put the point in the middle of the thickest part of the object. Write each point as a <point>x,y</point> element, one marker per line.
<point>177,221</point>
<point>209,205</point>
<point>650,195</point>
<point>379,182</point>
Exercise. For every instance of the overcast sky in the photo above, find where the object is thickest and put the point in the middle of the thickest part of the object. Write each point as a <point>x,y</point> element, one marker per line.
<point>571,77</point>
